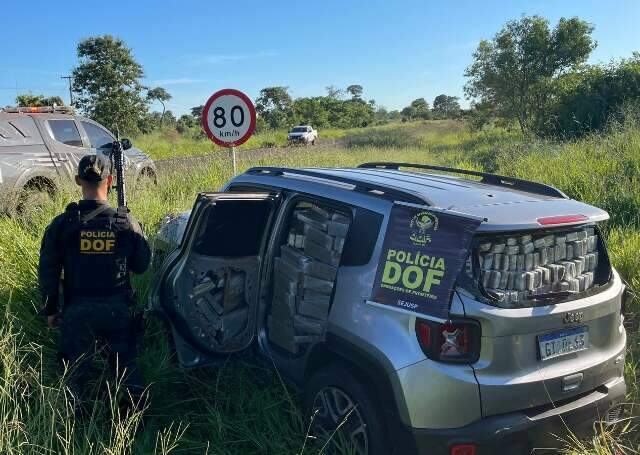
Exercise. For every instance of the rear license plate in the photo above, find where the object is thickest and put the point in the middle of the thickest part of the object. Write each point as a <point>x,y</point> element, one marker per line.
<point>564,342</point>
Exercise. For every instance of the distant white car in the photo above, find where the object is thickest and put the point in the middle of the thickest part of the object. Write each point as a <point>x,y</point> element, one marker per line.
<point>302,134</point>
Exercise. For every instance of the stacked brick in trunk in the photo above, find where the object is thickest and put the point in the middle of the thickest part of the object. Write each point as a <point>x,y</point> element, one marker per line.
<point>304,277</point>
<point>515,268</point>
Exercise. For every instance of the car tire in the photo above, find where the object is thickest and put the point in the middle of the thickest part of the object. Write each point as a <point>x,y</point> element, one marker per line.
<point>34,196</point>
<point>335,398</point>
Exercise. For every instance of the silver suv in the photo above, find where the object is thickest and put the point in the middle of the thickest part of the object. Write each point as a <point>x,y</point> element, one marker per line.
<point>528,344</point>
<point>41,146</point>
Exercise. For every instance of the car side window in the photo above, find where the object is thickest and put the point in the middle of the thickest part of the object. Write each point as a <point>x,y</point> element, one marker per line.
<point>65,131</point>
<point>233,229</point>
<point>98,137</point>
<point>362,237</point>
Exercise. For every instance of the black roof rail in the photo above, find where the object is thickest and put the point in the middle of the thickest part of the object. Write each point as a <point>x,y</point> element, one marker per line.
<point>358,185</point>
<point>488,178</point>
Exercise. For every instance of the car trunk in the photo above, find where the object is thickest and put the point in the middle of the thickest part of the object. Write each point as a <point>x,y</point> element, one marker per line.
<point>549,306</point>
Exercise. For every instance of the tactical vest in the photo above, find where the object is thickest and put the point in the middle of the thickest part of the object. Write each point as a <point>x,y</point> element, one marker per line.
<point>95,247</point>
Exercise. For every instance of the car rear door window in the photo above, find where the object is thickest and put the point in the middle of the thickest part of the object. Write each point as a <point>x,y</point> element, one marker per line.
<point>233,229</point>
<point>98,137</point>
<point>362,237</point>
<point>66,132</point>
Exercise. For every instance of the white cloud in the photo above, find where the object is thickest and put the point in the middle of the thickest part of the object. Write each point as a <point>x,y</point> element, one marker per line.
<point>224,58</point>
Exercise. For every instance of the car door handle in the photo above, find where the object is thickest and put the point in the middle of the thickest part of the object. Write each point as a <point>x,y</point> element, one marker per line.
<point>61,157</point>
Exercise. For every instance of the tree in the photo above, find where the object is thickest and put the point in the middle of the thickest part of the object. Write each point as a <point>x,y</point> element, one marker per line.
<point>356,114</point>
<point>108,85</point>
<point>52,100</point>
<point>28,99</point>
<point>275,106</point>
<point>186,122</point>
<point>311,111</point>
<point>513,71</point>
<point>196,112</point>
<point>334,92</point>
<point>394,115</point>
<point>161,95</point>
<point>418,109</point>
<point>156,120</point>
<point>381,114</point>
<point>588,99</point>
<point>355,91</point>
<point>446,106</point>
<point>421,108</point>
<point>480,115</point>
<point>408,113</point>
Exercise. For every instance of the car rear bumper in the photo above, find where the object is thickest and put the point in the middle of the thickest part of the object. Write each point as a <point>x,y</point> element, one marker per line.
<point>521,432</point>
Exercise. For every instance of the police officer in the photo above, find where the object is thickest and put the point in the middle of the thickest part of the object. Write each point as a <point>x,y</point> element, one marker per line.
<point>95,247</point>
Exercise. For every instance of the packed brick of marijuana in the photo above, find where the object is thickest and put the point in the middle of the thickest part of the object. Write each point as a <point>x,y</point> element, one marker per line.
<point>304,277</point>
<point>514,268</point>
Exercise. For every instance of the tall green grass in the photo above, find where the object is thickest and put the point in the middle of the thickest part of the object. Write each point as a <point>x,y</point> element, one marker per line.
<point>242,406</point>
<point>163,144</point>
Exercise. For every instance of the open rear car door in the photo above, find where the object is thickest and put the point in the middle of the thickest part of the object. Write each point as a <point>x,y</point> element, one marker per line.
<point>208,288</point>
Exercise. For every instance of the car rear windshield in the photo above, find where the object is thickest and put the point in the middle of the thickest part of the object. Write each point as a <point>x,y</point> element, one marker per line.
<point>539,268</point>
<point>299,129</point>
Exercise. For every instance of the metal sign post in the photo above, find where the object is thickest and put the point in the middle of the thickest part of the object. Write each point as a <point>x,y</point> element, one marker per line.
<point>232,150</point>
<point>229,119</point>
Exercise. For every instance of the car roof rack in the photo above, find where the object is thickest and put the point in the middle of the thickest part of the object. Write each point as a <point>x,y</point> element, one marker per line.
<point>387,192</point>
<point>487,178</point>
<point>55,109</point>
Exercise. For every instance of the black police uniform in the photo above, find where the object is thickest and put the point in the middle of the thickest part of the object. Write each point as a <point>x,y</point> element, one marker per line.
<point>96,246</point>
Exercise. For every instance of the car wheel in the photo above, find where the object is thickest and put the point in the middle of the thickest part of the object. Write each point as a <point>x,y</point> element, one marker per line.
<point>34,196</point>
<point>341,413</point>
<point>313,142</point>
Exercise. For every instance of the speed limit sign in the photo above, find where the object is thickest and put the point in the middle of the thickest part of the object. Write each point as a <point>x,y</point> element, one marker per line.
<point>229,117</point>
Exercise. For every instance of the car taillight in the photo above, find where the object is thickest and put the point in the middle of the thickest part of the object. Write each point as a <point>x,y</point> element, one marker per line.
<point>456,341</point>
<point>463,449</point>
<point>562,219</point>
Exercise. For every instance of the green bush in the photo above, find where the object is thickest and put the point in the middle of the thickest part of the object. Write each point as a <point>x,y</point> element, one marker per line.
<point>588,99</point>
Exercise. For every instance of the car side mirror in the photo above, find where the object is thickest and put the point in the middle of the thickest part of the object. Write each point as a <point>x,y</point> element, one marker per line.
<point>126,144</point>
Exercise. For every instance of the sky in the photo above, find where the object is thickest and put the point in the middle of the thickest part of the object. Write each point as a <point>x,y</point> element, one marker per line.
<point>397,50</point>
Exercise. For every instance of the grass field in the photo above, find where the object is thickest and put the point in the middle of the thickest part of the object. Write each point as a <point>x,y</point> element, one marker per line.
<point>243,407</point>
<point>166,144</point>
